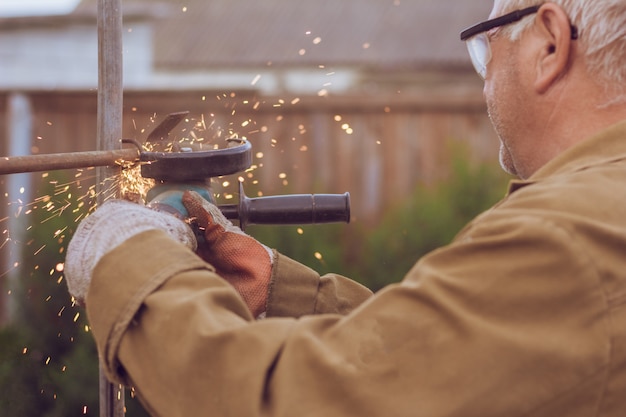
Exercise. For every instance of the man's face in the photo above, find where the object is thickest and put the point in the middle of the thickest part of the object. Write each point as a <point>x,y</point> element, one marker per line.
<point>502,106</point>
<point>504,95</point>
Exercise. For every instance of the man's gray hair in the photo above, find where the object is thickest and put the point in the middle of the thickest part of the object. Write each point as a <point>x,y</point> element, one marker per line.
<point>602,28</point>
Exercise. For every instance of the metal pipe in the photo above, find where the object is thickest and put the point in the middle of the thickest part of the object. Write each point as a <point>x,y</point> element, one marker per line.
<point>51,162</point>
<point>20,132</point>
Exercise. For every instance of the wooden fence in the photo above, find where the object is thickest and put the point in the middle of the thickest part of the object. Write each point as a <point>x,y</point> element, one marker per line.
<point>376,148</point>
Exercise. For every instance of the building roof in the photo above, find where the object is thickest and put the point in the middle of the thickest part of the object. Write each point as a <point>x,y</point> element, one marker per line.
<point>380,34</point>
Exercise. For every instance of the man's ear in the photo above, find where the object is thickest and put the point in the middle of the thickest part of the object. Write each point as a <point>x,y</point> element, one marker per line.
<point>555,41</point>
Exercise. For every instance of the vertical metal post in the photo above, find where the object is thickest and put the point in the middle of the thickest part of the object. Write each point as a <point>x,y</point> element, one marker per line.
<point>18,187</point>
<point>110,102</point>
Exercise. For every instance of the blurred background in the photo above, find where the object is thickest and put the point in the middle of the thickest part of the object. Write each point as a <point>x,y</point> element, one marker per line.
<point>374,97</point>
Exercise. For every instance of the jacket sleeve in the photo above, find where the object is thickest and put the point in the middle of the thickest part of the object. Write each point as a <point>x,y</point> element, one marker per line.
<point>474,329</point>
<point>296,290</point>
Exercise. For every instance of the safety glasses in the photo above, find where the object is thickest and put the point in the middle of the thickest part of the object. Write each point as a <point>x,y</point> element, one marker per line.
<point>478,42</point>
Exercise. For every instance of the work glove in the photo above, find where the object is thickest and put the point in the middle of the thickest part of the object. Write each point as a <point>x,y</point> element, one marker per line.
<point>108,227</point>
<point>238,258</point>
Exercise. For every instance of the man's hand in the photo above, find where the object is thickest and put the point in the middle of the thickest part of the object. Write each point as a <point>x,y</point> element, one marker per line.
<point>238,258</point>
<point>108,227</point>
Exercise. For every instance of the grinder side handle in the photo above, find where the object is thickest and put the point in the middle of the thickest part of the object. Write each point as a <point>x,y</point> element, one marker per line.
<point>289,209</point>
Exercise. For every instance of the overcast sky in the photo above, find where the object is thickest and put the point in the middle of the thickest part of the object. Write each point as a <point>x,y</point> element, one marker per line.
<point>10,8</point>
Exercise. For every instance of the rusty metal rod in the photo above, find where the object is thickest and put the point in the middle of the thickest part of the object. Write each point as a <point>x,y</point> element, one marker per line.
<point>54,161</point>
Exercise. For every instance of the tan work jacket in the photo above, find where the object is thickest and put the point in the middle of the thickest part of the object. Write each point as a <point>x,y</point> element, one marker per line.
<point>524,314</point>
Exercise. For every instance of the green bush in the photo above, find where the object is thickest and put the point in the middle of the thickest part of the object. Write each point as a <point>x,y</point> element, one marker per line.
<point>428,220</point>
<point>317,246</point>
<point>48,359</point>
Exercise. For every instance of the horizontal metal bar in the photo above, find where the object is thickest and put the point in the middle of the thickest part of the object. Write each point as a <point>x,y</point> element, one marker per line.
<point>51,162</point>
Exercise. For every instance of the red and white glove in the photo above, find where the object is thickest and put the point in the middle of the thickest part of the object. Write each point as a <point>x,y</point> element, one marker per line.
<point>238,258</point>
<point>108,227</point>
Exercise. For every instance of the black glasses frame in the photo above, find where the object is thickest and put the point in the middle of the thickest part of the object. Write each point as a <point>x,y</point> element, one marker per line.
<point>503,20</point>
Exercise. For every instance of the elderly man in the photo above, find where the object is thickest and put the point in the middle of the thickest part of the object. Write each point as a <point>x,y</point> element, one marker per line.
<point>523,314</point>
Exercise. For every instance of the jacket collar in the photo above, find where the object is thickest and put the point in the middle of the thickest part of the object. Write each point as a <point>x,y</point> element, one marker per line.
<point>606,146</point>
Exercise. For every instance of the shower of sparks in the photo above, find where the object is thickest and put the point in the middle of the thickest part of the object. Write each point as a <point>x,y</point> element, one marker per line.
<point>40,219</point>
<point>69,197</point>
<point>132,185</point>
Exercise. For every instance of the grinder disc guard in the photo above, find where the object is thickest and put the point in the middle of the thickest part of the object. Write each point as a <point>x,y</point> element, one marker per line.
<point>197,165</point>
